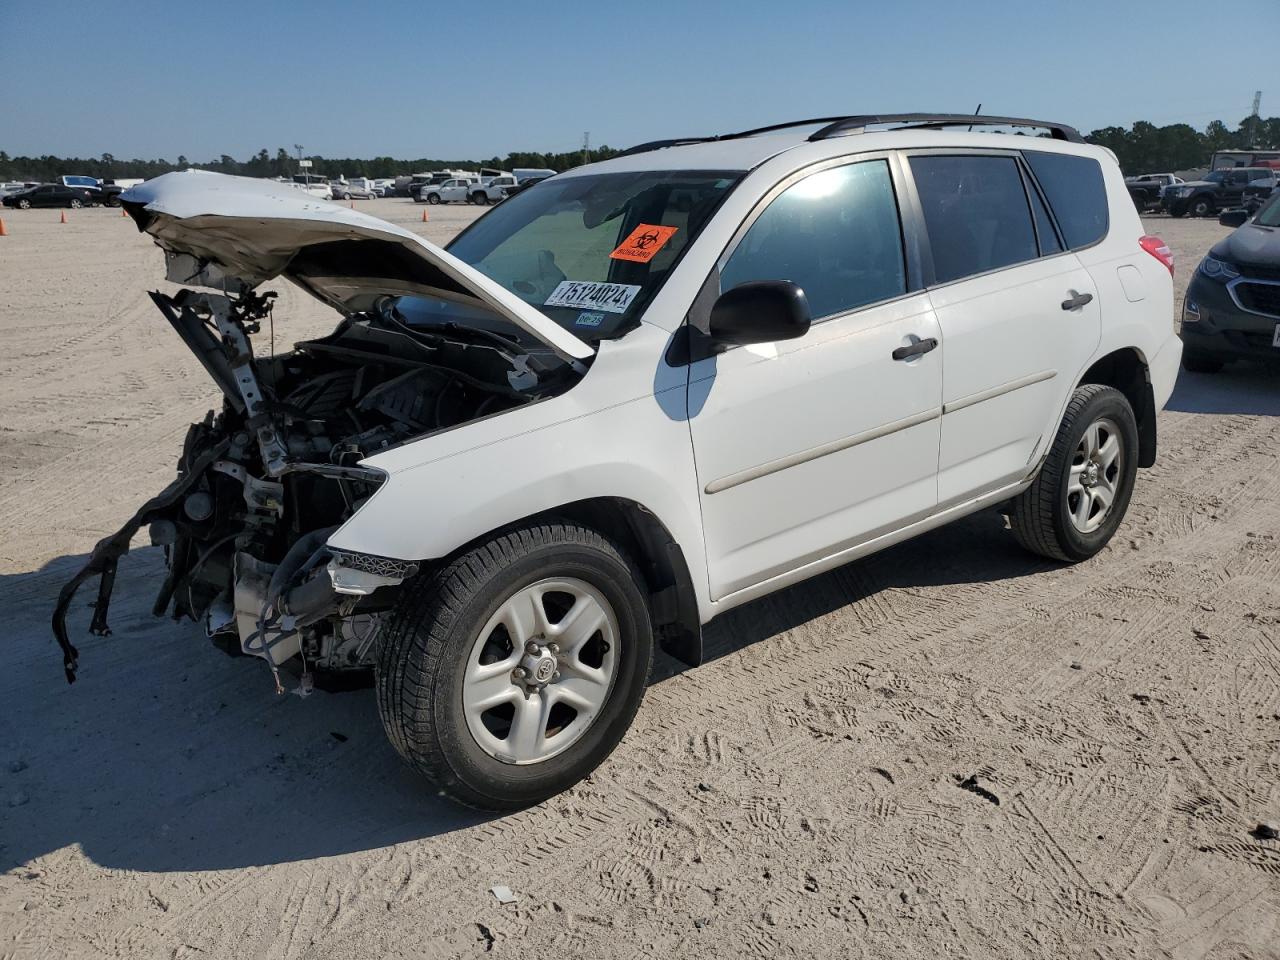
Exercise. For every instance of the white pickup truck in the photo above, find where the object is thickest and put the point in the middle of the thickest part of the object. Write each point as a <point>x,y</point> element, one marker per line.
<point>490,189</point>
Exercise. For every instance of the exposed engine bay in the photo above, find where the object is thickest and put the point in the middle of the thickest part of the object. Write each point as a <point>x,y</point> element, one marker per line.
<point>263,482</point>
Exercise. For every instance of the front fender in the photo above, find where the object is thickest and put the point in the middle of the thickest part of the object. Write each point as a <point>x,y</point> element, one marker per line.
<point>455,491</point>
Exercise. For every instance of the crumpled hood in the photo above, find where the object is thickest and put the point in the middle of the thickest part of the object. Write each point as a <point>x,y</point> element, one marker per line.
<point>256,230</point>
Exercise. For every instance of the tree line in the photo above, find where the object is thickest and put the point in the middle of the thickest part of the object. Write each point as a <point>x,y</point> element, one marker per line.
<point>1142,148</point>
<point>282,164</point>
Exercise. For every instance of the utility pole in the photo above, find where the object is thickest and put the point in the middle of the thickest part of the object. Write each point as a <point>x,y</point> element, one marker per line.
<point>1253,119</point>
<point>298,147</point>
<point>586,147</point>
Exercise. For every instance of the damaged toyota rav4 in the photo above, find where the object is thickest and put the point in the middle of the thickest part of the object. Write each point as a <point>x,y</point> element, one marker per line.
<point>630,398</point>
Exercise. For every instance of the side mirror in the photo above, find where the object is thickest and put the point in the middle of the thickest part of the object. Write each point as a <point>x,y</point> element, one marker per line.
<point>760,312</point>
<point>1233,218</point>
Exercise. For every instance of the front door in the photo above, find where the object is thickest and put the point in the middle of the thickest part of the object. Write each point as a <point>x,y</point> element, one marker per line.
<point>806,447</point>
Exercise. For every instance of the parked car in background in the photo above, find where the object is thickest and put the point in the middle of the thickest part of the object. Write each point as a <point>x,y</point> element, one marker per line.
<point>105,194</point>
<point>317,186</point>
<point>357,188</point>
<point>49,195</point>
<point>384,187</point>
<point>531,173</point>
<point>1219,190</point>
<point>1232,307</point>
<point>453,190</point>
<point>1147,188</point>
<point>522,186</point>
<point>79,181</point>
<point>631,400</point>
<point>13,186</point>
<point>491,189</point>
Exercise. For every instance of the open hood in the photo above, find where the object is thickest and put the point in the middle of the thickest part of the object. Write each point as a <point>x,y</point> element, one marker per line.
<point>255,230</point>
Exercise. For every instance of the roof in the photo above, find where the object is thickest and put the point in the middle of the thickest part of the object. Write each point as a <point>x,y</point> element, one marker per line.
<point>743,153</point>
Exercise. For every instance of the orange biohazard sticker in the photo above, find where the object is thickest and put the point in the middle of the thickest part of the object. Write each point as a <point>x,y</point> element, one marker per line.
<point>643,244</point>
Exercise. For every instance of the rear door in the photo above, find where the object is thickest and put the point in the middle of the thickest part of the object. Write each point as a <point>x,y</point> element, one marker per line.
<point>1019,315</point>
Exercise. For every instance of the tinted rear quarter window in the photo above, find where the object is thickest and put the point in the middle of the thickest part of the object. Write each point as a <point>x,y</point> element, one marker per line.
<point>975,212</point>
<point>1075,191</point>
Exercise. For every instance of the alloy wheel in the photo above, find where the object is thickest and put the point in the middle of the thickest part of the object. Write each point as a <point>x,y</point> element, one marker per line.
<point>1094,480</point>
<point>541,670</point>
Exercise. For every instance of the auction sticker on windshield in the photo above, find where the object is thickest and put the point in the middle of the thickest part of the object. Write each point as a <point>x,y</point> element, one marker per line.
<point>613,297</point>
<point>644,243</point>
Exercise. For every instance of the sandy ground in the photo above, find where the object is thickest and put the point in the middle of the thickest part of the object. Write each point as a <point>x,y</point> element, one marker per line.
<point>799,795</point>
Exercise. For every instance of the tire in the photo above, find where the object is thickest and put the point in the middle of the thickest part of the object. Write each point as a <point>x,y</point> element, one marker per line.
<point>446,627</point>
<point>480,199</point>
<point>1177,211</point>
<point>1202,207</point>
<point>1196,364</point>
<point>433,198</point>
<point>24,204</point>
<point>76,204</point>
<point>1046,517</point>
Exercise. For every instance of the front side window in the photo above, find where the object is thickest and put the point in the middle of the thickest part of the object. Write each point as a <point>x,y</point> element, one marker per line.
<point>835,233</point>
<point>591,251</point>
<point>975,213</point>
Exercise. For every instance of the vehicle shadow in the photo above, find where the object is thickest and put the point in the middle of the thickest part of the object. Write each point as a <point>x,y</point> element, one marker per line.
<point>1240,388</point>
<point>975,549</point>
<point>168,756</point>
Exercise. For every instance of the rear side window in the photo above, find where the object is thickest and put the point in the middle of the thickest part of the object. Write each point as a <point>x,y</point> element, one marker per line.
<point>1074,188</point>
<point>836,233</point>
<point>975,212</point>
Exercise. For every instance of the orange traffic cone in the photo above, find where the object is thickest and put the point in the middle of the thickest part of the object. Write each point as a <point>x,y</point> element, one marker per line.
<point>424,216</point>
<point>353,204</point>
<point>64,216</point>
<point>124,212</point>
<point>3,231</point>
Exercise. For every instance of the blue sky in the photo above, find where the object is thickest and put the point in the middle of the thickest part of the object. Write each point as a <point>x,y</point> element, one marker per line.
<point>146,79</point>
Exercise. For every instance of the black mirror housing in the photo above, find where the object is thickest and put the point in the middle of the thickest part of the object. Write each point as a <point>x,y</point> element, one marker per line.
<point>1233,218</point>
<point>759,312</point>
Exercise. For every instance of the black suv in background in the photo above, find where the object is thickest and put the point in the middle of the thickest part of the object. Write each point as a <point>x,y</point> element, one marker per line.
<point>1218,190</point>
<point>1232,307</point>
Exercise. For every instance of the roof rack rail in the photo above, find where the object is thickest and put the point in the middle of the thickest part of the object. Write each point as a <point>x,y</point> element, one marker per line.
<point>851,125</point>
<point>846,126</point>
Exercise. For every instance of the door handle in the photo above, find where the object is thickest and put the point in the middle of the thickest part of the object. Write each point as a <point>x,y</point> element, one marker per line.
<point>915,349</point>
<point>1077,300</point>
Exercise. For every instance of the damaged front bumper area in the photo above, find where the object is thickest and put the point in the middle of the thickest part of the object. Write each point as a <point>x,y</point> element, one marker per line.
<point>264,483</point>
<point>238,523</point>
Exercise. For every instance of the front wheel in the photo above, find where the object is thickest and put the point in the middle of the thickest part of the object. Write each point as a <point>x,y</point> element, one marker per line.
<point>24,204</point>
<point>76,204</point>
<point>1202,207</point>
<point>433,198</point>
<point>510,673</point>
<point>1082,491</point>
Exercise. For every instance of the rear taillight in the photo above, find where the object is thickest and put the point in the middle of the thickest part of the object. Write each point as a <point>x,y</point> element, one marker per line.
<point>1158,249</point>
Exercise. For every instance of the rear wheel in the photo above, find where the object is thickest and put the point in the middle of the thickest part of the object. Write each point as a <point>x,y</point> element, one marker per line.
<point>76,204</point>
<point>510,673</point>
<point>1082,491</point>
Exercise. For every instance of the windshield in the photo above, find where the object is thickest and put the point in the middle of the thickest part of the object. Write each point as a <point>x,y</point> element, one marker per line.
<point>1215,176</point>
<point>591,252</point>
<point>1269,215</point>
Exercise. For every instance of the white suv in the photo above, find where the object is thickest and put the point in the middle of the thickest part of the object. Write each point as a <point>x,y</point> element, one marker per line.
<point>640,395</point>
